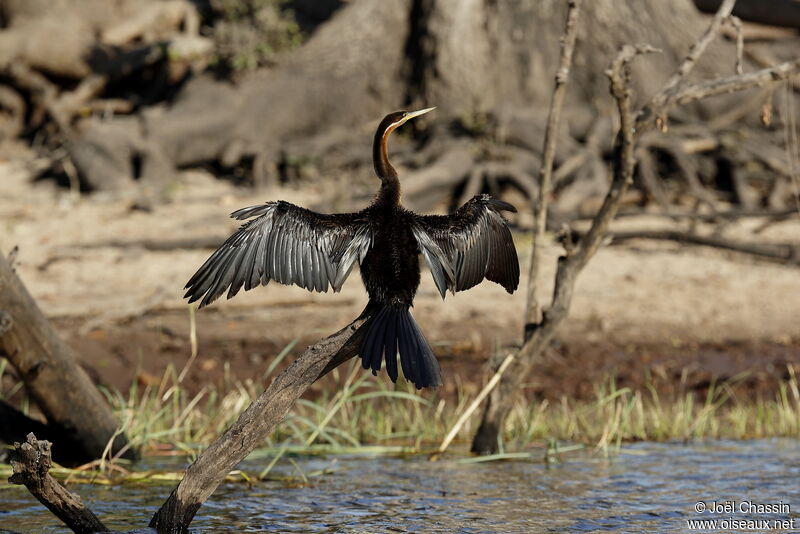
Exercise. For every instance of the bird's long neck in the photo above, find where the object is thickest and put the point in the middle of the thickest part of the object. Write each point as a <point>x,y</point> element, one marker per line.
<point>390,185</point>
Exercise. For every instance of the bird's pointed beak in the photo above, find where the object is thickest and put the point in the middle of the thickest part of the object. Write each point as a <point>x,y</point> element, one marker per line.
<point>411,114</point>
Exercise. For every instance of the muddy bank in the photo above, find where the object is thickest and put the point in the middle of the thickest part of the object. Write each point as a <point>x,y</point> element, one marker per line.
<point>680,315</point>
<point>233,347</point>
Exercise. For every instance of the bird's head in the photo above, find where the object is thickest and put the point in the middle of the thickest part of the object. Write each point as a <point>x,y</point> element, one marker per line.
<point>380,151</point>
<point>392,121</point>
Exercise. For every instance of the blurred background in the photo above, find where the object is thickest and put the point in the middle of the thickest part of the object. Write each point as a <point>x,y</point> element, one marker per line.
<point>130,129</point>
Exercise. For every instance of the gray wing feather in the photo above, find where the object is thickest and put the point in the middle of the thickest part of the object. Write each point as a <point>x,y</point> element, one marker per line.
<point>471,244</point>
<point>286,243</point>
<point>439,263</point>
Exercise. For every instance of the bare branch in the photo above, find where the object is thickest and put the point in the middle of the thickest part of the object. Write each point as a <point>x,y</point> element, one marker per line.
<point>31,462</point>
<point>731,84</point>
<point>533,310</point>
<point>72,405</point>
<point>695,52</point>
<point>211,467</point>
<point>624,161</point>
<point>736,22</point>
<point>730,215</point>
<point>569,266</point>
<point>253,427</point>
<point>465,415</point>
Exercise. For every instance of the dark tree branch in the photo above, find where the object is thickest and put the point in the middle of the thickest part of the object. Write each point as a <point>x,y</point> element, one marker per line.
<point>252,427</point>
<point>728,215</point>
<point>73,406</point>
<point>15,426</point>
<point>31,463</point>
<point>211,467</point>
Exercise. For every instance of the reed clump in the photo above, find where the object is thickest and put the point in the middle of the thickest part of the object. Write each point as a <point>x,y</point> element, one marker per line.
<point>358,413</point>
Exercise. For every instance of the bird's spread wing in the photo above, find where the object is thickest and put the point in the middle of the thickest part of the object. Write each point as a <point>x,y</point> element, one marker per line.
<point>285,243</point>
<point>471,244</point>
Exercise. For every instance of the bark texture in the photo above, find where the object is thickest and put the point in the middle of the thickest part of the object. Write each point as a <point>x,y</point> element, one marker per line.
<point>31,463</point>
<point>74,408</point>
<point>252,427</point>
<point>470,58</point>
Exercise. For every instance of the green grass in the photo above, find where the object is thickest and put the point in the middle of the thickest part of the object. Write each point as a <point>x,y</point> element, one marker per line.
<point>356,413</point>
<point>356,410</point>
<point>353,409</point>
<point>618,415</point>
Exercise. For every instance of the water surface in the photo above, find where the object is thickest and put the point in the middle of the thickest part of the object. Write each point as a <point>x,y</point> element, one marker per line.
<point>646,487</point>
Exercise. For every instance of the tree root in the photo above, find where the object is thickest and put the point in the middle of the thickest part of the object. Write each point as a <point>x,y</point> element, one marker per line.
<point>780,252</point>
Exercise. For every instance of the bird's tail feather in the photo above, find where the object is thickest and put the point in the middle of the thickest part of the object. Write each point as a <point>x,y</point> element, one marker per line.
<point>391,329</point>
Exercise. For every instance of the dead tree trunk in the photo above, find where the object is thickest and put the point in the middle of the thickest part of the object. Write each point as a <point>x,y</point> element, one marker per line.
<point>15,426</point>
<point>772,12</point>
<point>80,421</point>
<point>471,59</point>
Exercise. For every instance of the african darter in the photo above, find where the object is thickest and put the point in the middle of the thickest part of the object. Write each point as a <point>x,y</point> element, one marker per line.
<point>293,245</point>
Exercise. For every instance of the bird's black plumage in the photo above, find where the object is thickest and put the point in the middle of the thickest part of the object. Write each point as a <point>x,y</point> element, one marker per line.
<point>293,245</point>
